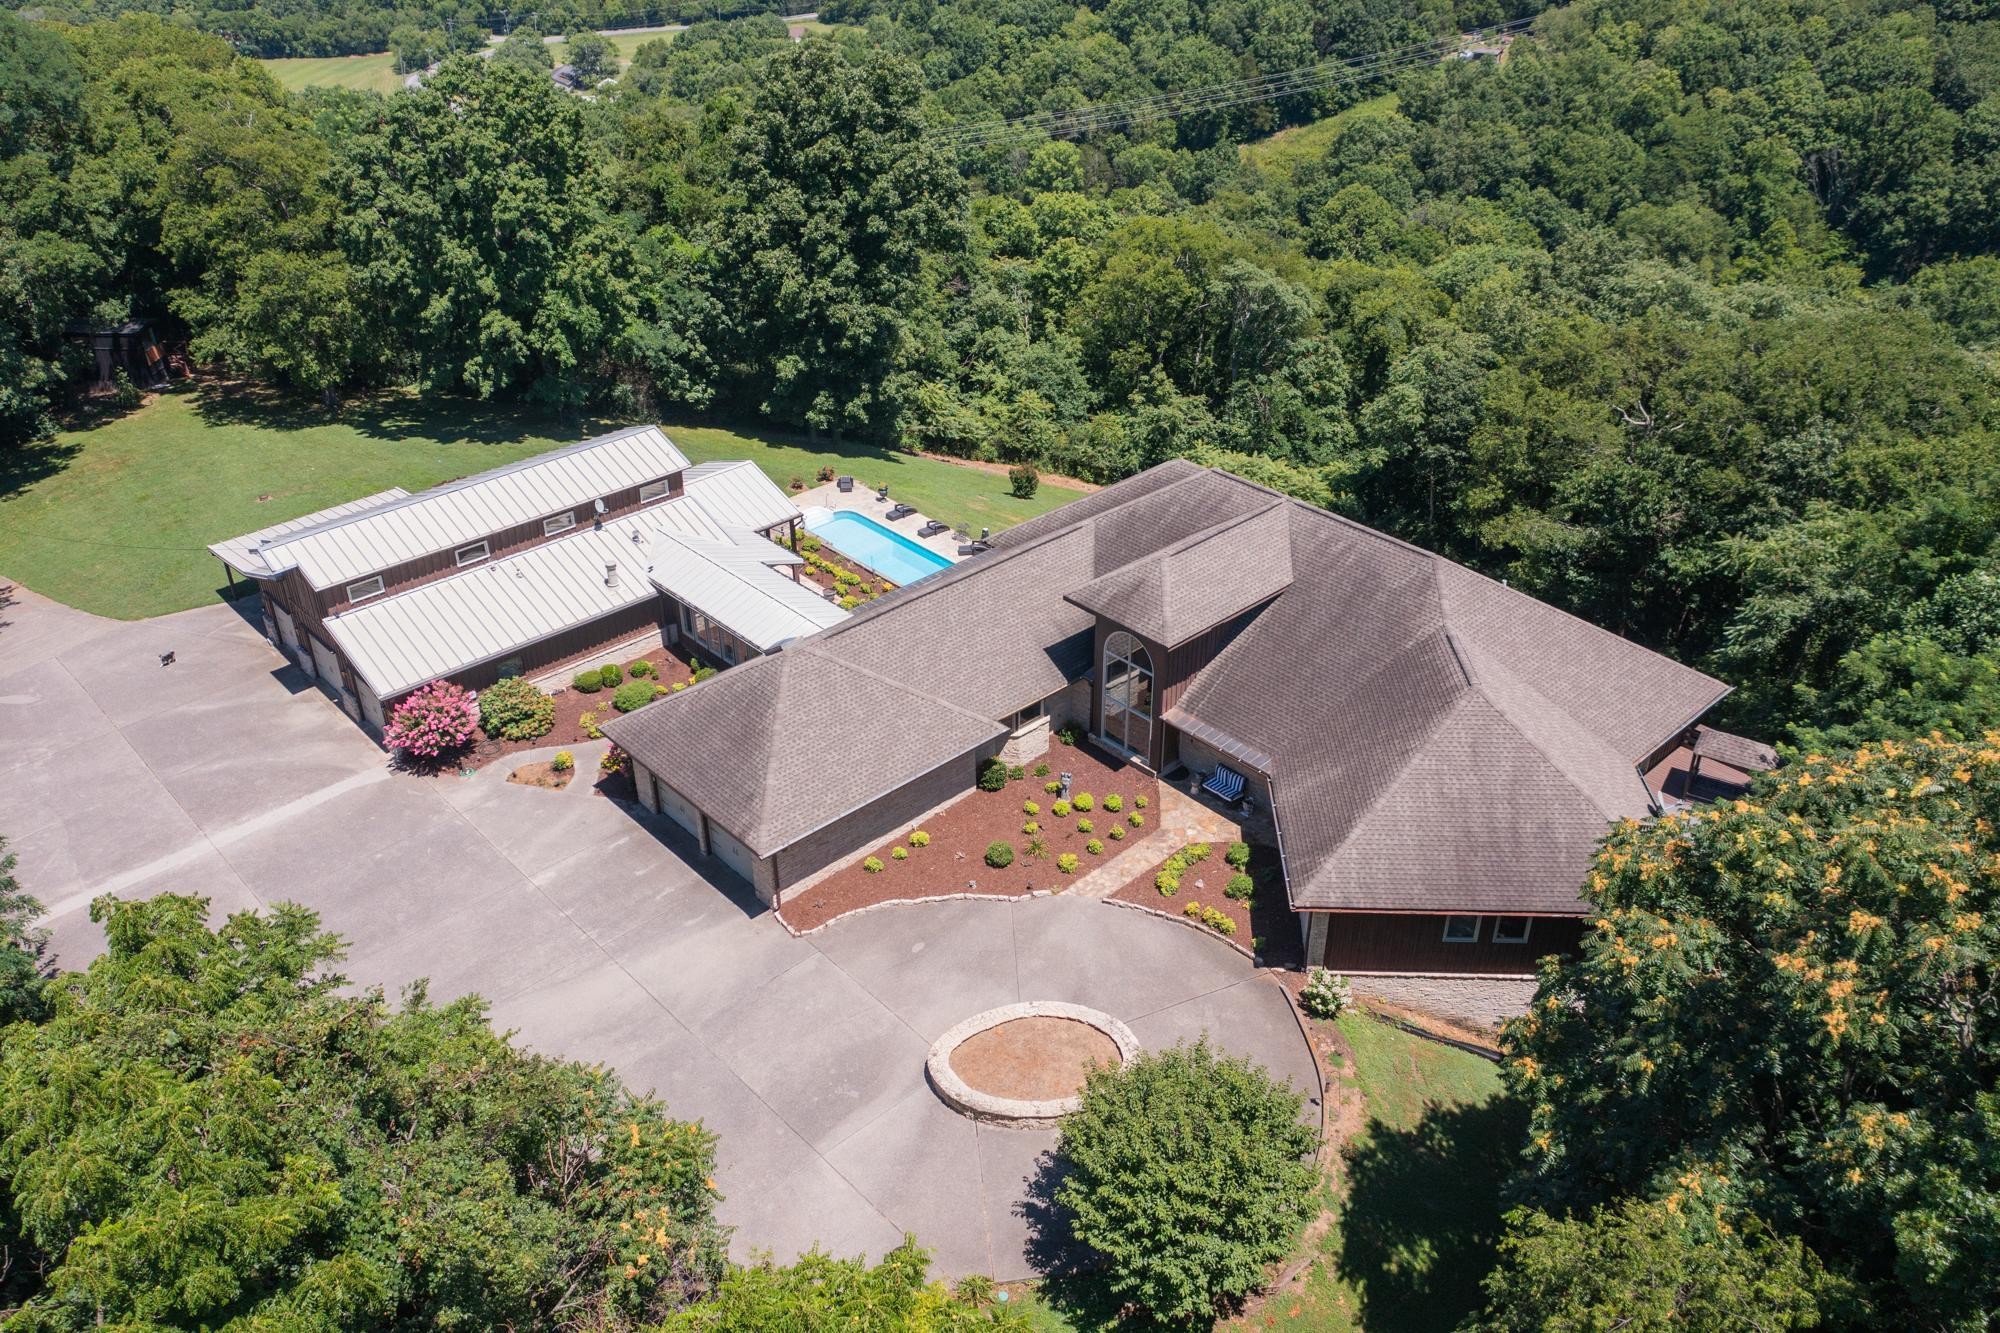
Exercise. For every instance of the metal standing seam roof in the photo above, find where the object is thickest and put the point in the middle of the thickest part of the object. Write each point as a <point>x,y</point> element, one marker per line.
<point>245,556</point>
<point>734,583</point>
<point>464,511</point>
<point>738,494</point>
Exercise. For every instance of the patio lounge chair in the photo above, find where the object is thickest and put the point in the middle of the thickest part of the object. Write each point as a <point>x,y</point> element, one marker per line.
<point>901,511</point>
<point>1225,782</point>
<point>844,483</point>
<point>933,528</point>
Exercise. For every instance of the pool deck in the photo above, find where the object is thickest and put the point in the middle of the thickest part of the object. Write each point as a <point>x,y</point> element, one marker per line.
<point>861,500</point>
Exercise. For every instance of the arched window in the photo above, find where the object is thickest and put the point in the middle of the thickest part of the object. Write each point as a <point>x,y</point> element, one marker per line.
<point>1128,694</point>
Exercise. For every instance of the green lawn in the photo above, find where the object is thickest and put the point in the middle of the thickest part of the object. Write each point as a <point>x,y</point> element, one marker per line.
<point>114,519</point>
<point>374,73</point>
<point>1286,151</point>
<point>1416,1201</point>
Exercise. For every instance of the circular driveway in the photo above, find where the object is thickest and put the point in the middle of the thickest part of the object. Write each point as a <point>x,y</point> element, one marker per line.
<point>594,931</point>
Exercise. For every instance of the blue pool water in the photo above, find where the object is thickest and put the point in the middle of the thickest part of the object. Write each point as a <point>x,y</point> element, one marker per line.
<point>887,552</point>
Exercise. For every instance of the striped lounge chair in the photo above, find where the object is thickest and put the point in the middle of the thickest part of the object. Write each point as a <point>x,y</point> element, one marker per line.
<point>1225,782</point>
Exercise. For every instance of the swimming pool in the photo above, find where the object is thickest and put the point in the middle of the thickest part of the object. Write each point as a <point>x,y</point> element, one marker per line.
<point>863,540</point>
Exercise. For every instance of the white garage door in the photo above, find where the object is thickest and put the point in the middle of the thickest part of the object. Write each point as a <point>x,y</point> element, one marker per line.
<point>288,633</point>
<point>327,665</point>
<point>675,808</point>
<point>733,853</point>
<point>371,707</point>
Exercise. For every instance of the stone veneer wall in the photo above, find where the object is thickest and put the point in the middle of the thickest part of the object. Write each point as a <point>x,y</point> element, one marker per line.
<point>1029,743</point>
<point>1478,1001</point>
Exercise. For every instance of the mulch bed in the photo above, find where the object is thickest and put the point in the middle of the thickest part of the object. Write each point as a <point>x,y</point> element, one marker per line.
<point>571,705</point>
<point>1265,926</point>
<point>1032,1059</point>
<point>954,863</point>
<point>542,774</point>
<point>872,585</point>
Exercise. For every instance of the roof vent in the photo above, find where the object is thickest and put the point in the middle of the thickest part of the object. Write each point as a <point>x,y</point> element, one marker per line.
<point>637,536</point>
<point>610,573</point>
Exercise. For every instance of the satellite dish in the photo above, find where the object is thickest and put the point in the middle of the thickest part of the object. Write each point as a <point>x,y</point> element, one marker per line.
<point>600,505</point>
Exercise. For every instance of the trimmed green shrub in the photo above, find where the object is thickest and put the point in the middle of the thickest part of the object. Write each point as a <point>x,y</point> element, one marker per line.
<point>1241,887</point>
<point>992,775</point>
<point>1094,847</point>
<point>1238,855</point>
<point>612,675</point>
<point>563,761</point>
<point>848,603</point>
<point>589,682</point>
<point>1031,828</point>
<point>1052,787</point>
<point>680,685</point>
<point>1083,800</point>
<point>633,694</point>
<point>1326,994</point>
<point>1192,909</point>
<point>873,865</point>
<point>1168,882</point>
<point>1116,833</point>
<point>1037,847</point>
<point>1138,803</point>
<point>1030,808</point>
<point>1060,809</point>
<point>899,854</point>
<point>588,724</point>
<point>1070,734</point>
<point>1015,773</point>
<point>1084,826</point>
<point>1066,863</point>
<point>640,669</point>
<point>1114,803</point>
<point>1041,770</point>
<point>1218,921</point>
<point>1194,851</point>
<point>1136,820</point>
<point>701,673</point>
<point>999,855</point>
<point>920,839</point>
<point>660,691</point>
<point>1023,481</point>
<point>1240,1177</point>
<point>514,710</point>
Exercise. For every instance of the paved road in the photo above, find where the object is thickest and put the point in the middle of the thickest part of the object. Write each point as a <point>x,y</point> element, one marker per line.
<point>588,930</point>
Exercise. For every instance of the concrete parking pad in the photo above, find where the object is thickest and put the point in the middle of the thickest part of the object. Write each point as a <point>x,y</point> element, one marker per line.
<point>593,931</point>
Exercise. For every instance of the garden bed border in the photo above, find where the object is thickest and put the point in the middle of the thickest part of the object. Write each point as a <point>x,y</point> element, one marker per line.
<point>1017,1112</point>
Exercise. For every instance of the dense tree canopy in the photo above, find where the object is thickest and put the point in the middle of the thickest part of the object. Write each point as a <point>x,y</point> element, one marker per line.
<point>205,1130</point>
<point>1786,1009</point>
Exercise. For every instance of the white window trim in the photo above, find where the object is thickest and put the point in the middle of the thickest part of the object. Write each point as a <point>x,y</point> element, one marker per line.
<point>659,491</point>
<point>1527,929</point>
<point>1478,924</point>
<point>353,596</point>
<point>555,523</point>
<point>485,553</point>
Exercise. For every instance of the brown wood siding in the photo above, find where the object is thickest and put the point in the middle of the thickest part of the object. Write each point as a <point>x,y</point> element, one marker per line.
<point>508,541</point>
<point>1414,943</point>
<point>1186,661</point>
<point>580,641</point>
<point>1173,671</point>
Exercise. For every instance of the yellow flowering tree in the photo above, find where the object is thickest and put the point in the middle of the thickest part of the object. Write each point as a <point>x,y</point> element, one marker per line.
<point>1787,1007</point>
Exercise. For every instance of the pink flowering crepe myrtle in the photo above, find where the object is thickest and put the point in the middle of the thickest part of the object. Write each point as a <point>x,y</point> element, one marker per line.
<point>434,721</point>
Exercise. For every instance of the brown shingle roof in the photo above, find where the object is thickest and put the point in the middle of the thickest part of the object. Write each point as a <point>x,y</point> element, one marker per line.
<point>1199,582</point>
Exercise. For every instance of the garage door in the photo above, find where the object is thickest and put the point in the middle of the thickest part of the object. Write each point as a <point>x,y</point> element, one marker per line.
<point>327,665</point>
<point>371,707</point>
<point>677,809</point>
<point>288,633</point>
<point>733,853</point>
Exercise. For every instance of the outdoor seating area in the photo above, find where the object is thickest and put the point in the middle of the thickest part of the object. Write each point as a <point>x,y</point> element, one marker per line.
<point>1225,782</point>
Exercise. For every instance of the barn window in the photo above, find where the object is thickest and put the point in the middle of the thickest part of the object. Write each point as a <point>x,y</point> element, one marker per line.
<point>1512,929</point>
<point>651,491</point>
<point>1461,930</point>
<point>558,523</point>
<point>473,554</point>
<point>362,591</point>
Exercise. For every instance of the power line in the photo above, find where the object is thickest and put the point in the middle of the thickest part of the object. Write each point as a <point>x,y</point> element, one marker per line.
<point>1214,97</point>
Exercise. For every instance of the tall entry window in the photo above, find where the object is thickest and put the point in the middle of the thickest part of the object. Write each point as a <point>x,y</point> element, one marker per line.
<point>1128,695</point>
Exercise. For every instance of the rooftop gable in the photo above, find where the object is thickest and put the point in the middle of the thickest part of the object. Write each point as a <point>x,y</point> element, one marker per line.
<point>1199,582</point>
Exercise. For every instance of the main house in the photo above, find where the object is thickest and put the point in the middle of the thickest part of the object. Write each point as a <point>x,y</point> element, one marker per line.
<point>1439,754</point>
<point>575,553</point>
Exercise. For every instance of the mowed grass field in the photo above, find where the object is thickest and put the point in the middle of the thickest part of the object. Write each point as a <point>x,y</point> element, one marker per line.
<point>115,519</point>
<point>377,73</point>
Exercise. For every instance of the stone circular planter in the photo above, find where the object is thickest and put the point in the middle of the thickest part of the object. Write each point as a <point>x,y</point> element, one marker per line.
<point>1018,1113</point>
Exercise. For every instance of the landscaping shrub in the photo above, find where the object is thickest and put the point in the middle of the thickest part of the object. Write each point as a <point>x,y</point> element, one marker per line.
<point>1193,909</point>
<point>514,710</point>
<point>1084,826</point>
<point>632,695</point>
<point>1037,847</point>
<point>1031,828</point>
<point>1060,809</point>
<point>797,482</point>
<point>1069,734</point>
<point>433,721</point>
<point>563,761</point>
<point>1238,855</point>
<point>613,761</point>
<point>612,675</point>
<point>1241,888</point>
<point>809,544</point>
<point>1185,1232</point>
<point>1114,803</point>
<point>660,691</point>
<point>1194,851</point>
<point>1168,882</point>
<point>1015,773</point>
<point>825,474</point>
<point>848,603</point>
<point>640,669</point>
<point>999,855</point>
<point>588,682</point>
<point>588,725</point>
<point>1326,994</point>
<point>1042,771</point>
<point>1218,921</point>
<point>1030,808</point>
<point>1116,833</point>
<point>1138,803</point>
<point>1094,847</point>
<point>1066,863</point>
<point>680,685</point>
<point>899,853</point>
<point>920,839</point>
<point>701,673</point>
<point>1052,787</point>
<point>1083,800</point>
<point>873,865</point>
<point>1136,820</point>
<point>992,775</point>
<point>1023,480</point>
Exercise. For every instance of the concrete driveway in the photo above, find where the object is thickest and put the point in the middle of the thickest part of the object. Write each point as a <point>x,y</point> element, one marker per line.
<point>228,774</point>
